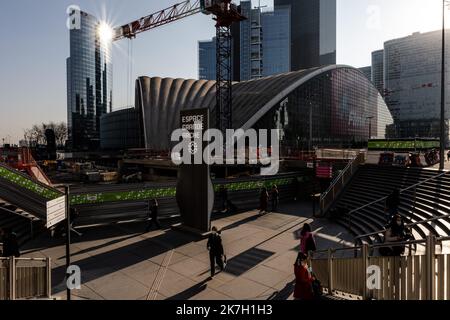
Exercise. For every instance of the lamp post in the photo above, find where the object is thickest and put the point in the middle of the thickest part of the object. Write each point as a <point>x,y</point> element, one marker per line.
<point>370,126</point>
<point>443,139</point>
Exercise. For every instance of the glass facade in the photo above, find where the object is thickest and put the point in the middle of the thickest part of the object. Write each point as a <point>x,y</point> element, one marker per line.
<point>261,45</point>
<point>207,60</point>
<point>378,70</point>
<point>313,32</point>
<point>413,83</point>
<point>89,84</point>
<point>276,41</point>
<point>120,130</point>
<point>339,108</point>
<point>367,72</point>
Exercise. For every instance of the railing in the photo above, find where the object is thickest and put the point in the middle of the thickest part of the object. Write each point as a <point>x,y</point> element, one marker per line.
<point>419,277</point>
<point>23,278</point>
<point>329,196</point>
<point>352,212</point>
<point>409,225</point>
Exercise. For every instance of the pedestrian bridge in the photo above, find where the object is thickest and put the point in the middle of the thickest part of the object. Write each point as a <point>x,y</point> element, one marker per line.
<point>128,201</point>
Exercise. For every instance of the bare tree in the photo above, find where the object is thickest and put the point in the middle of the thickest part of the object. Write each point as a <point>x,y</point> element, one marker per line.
<point>36,135</point>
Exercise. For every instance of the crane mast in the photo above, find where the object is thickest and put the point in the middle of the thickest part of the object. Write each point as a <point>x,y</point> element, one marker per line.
<point>225,14</point>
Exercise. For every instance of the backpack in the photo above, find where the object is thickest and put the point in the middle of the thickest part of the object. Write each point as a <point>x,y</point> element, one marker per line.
<point>310,244</point>
<point>317,288</point>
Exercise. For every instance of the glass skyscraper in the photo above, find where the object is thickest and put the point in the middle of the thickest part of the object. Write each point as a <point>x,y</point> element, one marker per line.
<point>276,28</point>
<point>412,80</point>
<point>261,45</point>
<point>89,83</point>
<point>378,70</point>
<point>313,32</point>
<point>367,72</point>
<point>207,59</point>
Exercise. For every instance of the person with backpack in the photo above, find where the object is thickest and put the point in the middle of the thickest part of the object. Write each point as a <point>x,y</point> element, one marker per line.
<point>303,289</point>
<point>397,232</point>
<point>216,251</point>
<point>307,241</point>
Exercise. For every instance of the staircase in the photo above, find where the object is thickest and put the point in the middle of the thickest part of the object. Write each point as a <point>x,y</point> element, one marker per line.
<point>429,200</point>
<point>18,221</point>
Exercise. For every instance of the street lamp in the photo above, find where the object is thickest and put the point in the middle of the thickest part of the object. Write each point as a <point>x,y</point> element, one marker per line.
<point>443,139</point>
<point>370,126</point>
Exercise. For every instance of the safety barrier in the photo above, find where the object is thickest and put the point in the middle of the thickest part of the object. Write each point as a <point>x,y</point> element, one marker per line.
<point>417,277</point>
<point>23,278</point>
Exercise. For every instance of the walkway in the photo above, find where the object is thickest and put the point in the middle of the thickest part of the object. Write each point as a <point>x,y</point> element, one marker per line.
<point>122,262</point>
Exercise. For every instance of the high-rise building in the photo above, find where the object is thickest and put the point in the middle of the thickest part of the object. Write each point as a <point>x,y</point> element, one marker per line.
<point>89,82</point>
<point>412,81</point>
<point>378,70</point>
<point>261,45</point>
<point>367,72</point>
<point>276,28</point>
<point>207,59</point>
<point>313,32</point>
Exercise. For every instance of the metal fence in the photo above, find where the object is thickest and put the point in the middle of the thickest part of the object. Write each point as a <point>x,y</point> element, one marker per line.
<point>417,277</point>
<point>23,278</point>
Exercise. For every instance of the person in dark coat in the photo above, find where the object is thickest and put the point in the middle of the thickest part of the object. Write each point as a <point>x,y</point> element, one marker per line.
<point>216,251</point>
<point>392,204</point>
<point>263,201</point>
<point>10,244</point>
<point>224,198</point>
<point>303,280</point>
<point>153,211</point>
<point>307,241</point>
<point>275,196</point>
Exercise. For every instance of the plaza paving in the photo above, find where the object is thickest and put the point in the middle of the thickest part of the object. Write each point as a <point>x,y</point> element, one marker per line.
<point>124,262</point>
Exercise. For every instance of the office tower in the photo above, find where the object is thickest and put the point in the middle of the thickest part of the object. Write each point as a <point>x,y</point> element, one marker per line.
<point>378,70</point>
<point>89,82</point>
<point>313,32</point>
<point>250,41</point>
<point>367,72</point>
<point>207,59</point>
<point>261,45</point>
<point>276,41</point>
<point>413,83</point>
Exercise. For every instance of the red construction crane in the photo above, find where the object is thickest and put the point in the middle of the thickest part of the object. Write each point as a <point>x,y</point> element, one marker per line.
<point>225,14</point>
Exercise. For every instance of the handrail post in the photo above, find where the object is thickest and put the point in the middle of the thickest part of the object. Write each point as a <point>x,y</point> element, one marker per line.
<point>365,264</point>
<point>330,272</point>
<point>49,277</point>
<point>430,267</point>
<point>12,278</point>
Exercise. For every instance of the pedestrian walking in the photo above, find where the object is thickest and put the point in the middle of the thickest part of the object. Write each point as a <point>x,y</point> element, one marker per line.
<point>307,241</point>
<point>216,252</point>
<point>303,289</point>
<point>263,201</point>
<point>153,214</point>
<point>275,197</point>
<point>224,198</point>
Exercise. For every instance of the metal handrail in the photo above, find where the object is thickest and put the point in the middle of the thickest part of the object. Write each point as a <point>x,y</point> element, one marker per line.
<point>406,225</point>
<point>381,245</point>
<point>401,191</point>
<point>335,181</point>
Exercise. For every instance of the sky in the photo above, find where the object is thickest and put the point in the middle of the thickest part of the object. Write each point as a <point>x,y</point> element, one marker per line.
<point>34,45</point>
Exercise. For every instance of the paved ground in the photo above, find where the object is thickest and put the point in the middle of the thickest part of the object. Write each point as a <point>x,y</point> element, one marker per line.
<point>124,262</point>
